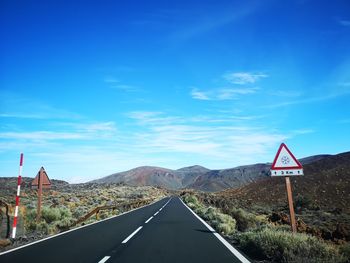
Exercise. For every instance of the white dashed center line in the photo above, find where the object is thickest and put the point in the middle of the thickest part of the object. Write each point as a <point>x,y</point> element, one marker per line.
<point>149,219</point>
<point>104,259</point>
<point>137,230</point>
<point>132,234</point>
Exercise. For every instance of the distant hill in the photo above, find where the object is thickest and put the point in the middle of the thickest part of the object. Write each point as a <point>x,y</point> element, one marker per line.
<point>198,177</point>
<point>156,176</point>
<point>326,183</point>
<point>217,180</point>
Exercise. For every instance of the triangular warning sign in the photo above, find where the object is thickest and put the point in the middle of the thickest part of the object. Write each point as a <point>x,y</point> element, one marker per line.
<point>285,163</point>
<point>42,178</point>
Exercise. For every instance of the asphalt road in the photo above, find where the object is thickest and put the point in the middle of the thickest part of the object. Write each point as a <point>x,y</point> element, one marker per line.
<point>166,231</point>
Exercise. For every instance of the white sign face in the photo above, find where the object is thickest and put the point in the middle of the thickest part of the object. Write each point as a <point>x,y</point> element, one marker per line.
<point>285,164</point>
<point>284,159</point>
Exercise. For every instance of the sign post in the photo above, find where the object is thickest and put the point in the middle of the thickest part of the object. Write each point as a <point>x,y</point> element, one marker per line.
<point>41,181</point>
<point>14,226</point>
<point>286,165</point>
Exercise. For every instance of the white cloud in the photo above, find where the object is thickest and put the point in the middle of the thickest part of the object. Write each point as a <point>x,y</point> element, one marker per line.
<point>111,80</point>
<point>115,83</point>
<point>199,95</point>
<point>331,95</point>
<point>222,93</point>
<point>109,126</point>
<point>42,135</point>
<point>200,23</point>
<point>231,93</point>
<point>22,116</point>
<point>124,87</point>
<point>151,117</point>
<point>243,78</point>
<point>222,141</point>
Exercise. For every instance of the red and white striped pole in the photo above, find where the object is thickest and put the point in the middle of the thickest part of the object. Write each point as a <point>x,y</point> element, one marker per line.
<point>17,197</point>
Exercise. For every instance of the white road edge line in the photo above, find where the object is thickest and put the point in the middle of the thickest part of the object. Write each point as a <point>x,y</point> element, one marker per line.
<point>149,219</point>
<point>226,244</point>
<point>156,213</point>
<point>132,234</point>
<point>104,259</point>
<point>77,228</point>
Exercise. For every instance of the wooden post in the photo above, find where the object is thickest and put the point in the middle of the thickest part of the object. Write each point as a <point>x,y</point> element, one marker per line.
<point>291,207</point>
<point>40,191</point>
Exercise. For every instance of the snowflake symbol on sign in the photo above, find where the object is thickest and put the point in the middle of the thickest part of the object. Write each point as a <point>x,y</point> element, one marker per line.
<point>285,160</point>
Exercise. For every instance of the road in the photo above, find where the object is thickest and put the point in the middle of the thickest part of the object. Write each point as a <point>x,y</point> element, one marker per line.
<point>165,231</point>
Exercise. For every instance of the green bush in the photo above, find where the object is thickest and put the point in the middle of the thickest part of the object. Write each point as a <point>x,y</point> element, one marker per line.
<point>65,223</point>
<point>31,214</point>
<point>191,199</point>
<point>245,220</point>
<point>43,227</point>
<point>345,250</point>
<point>50,214</point>
<point>302,202</point>
<point>224,223</point>
<point>281,246</point>
<point>65,212</point>
<point>30,219</point>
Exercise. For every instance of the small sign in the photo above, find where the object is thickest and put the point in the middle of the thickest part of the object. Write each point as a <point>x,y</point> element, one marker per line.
<point>42,176</point>
<point>285,163</point>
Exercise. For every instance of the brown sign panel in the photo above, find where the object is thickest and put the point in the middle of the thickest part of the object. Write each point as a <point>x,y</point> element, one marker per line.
<point>45,181</point>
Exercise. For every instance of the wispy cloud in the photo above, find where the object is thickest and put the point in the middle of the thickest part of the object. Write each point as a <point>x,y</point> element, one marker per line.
<point>115,83</point>
<point>109,126</point>
<point>64,131</point>
<point>232,87</point>
<point>41,135</point>
<point>124,87</point>
<point>223,140</point>
<point>242,78</point>
<point>15,106</point>
<point>221,94</point>
<point>22,116</point>
<point>152,117</point>
<point>343,90</point>
<point>344,22</point>
<point>286,93</point>
<point>110,79</point>
<point>199,95</point>
<point>203,24</point>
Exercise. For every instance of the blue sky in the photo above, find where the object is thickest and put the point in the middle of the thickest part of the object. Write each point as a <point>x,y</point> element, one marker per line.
<point>89,88</point>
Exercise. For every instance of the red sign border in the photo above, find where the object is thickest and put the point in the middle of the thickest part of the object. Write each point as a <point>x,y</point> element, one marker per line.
<point>285,168</point>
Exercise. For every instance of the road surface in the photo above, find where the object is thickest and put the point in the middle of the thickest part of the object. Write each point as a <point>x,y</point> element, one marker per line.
<point>165,231</point>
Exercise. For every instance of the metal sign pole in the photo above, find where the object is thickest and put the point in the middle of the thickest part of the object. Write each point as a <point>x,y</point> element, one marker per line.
<point>40,187</point>
<point>291,207</point>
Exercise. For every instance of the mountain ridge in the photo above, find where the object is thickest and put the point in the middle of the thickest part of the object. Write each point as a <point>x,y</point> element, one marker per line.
<point>198,177</point>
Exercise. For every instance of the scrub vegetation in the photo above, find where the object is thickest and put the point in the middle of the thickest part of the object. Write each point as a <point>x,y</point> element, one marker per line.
<point>66,206</point>
<point>261,238</point>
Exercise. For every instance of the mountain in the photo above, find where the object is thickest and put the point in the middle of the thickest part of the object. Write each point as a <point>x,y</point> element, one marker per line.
<point>190,174</point>
<point>145,175</point>
<point>217,180</point>
<point>326,184</point>
<point>194,177</point>
<point>198,177</point>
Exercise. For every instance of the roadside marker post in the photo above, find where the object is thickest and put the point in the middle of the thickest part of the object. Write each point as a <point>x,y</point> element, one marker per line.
<point>285,165</point>
<point>14,227</point>
<point>41,181</point>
